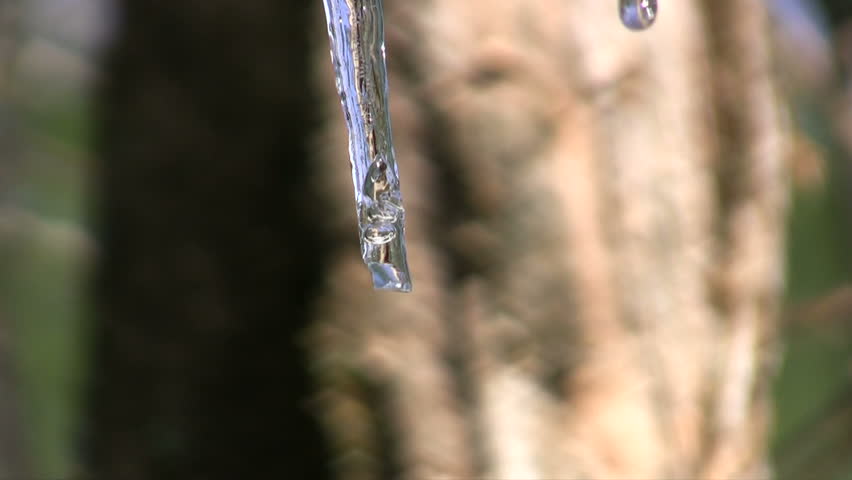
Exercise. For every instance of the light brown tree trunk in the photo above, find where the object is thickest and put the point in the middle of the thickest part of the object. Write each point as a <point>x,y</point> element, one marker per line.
<point>595,233</point>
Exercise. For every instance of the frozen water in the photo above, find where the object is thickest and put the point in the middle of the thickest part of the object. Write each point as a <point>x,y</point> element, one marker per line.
<point>356,34</point>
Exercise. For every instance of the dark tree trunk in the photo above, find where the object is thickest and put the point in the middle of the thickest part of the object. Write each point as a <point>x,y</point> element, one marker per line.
<point>209,252</point>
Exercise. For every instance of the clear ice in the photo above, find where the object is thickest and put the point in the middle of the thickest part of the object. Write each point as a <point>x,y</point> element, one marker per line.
<point>637,14</point>
<point>356,33</point>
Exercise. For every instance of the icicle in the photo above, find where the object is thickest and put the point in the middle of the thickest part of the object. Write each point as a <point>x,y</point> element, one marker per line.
<point>356,34</point>
<point>637,14</point>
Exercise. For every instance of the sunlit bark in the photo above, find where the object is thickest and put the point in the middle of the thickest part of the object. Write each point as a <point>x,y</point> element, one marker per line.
<point>595,220</point>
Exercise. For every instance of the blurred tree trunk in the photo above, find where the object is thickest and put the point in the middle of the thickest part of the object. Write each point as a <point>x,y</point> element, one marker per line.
<point>209,254</point>
<point>595,226</point>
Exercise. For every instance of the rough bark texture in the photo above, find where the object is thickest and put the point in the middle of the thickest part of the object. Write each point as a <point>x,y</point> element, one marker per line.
<point>595,220</point>
<point>595,224</point>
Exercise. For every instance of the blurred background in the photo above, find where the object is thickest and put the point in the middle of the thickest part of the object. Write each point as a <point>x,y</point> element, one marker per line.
<point>49,63</point>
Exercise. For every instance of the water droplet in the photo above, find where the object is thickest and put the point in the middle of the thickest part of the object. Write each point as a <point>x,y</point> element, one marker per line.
<point>637,14</point>
<point>379,233</point>
<point>382,212</point>
<point>379,179</point>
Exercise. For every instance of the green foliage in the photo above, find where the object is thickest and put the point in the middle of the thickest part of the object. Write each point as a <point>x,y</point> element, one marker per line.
<point>44,252</point>
<point>812,428</point>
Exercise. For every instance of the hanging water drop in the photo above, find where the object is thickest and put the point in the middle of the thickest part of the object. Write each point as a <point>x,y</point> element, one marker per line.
<point>637,14</point>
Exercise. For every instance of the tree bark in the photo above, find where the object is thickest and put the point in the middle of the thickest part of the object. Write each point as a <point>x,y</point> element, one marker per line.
<point>595,228</point>
<point>595,223</point>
